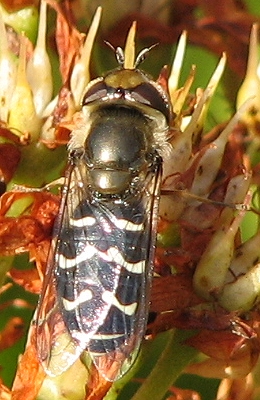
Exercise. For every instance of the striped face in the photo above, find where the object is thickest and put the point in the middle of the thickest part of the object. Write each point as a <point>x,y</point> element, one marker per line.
<point>96,292</point>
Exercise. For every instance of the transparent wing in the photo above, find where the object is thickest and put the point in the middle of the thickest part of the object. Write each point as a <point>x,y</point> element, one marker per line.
<point>55,347</point>
<point>96,291</point>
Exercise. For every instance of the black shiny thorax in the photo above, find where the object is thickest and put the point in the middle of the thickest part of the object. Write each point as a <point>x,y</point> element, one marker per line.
<point>117,148</point>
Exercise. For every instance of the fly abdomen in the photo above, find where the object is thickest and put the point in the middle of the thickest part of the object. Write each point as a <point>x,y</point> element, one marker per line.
<point>114,333</point>
<point>100,272</point>
<point>118,325</point>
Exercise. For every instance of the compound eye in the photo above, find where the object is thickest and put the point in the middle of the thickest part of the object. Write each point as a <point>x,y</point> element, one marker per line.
<point>96,92</point>
<point>146,93</point>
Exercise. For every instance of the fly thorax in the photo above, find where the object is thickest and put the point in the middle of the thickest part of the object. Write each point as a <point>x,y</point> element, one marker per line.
<point>116,148</point>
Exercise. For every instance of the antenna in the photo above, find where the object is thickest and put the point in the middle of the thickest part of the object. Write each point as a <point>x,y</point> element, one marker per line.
<point>125,57</point>
<point>119,53</point>
<point>143,55</point>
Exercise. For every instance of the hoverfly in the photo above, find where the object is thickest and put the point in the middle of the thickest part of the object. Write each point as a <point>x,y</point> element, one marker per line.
<point>96,292</point>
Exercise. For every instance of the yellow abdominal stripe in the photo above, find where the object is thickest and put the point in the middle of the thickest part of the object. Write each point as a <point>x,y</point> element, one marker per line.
<point>108,297</point>
<point>111,255</point>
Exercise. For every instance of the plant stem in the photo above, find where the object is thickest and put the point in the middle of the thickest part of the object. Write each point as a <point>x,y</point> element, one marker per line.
<point>170,365</point>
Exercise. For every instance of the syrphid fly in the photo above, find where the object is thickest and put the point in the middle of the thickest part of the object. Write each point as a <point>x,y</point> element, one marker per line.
<point>95,295</point>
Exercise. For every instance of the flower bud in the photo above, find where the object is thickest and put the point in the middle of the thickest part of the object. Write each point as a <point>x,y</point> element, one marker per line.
<point>209,164</point>
<point>22,115</point>
<point>80,74</point>
<point>8,70</point>
<point>176,70</point>
<point>38,70</point>
<point>244,286</point>
<point>211,271</point>
<point>250,87</point>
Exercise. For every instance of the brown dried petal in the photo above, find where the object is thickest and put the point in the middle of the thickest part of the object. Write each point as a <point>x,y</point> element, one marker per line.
<point>9,160</point>
<point>5,393</point>
<point>57,129</point>
<point>231,354</point>
<point>172,292</point>
<point>14,5</point>
<point>17,233</point>
<point>30,374</point>
<point>39,253</point>
<point>11,333</point>
<point>183,394</point>
<point>28,279</point>
<point>97,386</point>
<point>25,233</point>
<point>68,38</point>
<point>45,210</point>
